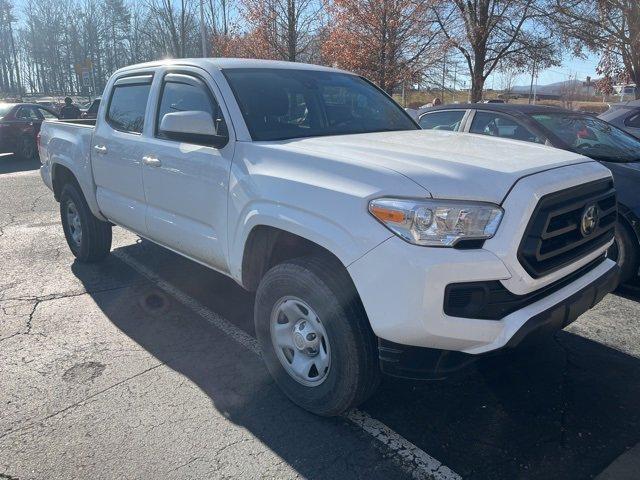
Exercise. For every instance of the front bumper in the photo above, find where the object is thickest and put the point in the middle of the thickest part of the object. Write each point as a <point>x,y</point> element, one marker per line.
<point>403,290</point>
<point>427,363</point>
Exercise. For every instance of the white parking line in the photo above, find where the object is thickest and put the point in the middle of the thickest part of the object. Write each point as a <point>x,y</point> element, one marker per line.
<point>418,463</point>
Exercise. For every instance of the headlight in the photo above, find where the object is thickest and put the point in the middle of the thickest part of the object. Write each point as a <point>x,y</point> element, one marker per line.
<point>437,223</point>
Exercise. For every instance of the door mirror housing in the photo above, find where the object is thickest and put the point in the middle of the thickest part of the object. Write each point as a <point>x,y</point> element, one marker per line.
<point>192,126</point>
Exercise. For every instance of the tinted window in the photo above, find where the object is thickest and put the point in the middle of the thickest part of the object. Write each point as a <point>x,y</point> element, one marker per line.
<point>449,120</point>
<point>633,121</point>
<point>591,137</point>
<point>180,97</point>
<point>127,107</point>
<point>93,109</point>
<point>46,114</point>
<point>497,125</point>
<point>278,104</point>
<point>27,113</point>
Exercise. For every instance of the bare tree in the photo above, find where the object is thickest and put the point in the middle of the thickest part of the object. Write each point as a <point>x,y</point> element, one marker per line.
<point>10,80</point>
<point>611,27</point>
<point>486,32</point>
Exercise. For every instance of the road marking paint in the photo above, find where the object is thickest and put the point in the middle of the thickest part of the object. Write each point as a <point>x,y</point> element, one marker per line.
<point>419,464</point>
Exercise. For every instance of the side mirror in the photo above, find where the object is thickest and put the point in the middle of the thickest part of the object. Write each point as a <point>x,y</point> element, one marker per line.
<point>192,127</point>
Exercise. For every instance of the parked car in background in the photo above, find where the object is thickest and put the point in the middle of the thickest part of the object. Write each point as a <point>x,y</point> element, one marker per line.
<point>625,116</point>
<point>568,130</point>
<point>92,109</point>
<point>19,127</point>
<point>48,102</point>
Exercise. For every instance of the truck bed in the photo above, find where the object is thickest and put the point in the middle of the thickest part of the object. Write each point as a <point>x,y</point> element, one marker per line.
<point>85,122</point>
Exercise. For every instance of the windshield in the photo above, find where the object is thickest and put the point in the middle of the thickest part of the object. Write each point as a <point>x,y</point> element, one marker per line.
<point>279,104</point>
<point>4,109</point>
<point>591,137</point>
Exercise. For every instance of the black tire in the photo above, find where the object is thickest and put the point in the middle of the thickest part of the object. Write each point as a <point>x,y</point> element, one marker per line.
<point>624,252</point>
<point>323,284</point>
<point>95,241</point>
<point>26,148</point>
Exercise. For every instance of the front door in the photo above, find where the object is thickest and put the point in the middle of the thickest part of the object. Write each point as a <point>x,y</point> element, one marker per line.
<point>117,150</point>
<point>186,179</point>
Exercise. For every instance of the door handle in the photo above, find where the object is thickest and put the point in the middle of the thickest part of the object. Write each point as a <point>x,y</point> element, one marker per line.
<point>151,161</point>
<point>101,149</point>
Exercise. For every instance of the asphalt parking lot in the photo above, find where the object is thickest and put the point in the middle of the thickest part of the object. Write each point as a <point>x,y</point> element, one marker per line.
<point>144,367</point>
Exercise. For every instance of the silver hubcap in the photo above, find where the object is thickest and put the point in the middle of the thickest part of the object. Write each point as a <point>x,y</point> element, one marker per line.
<point>73,221</point>
<point>300,341</point>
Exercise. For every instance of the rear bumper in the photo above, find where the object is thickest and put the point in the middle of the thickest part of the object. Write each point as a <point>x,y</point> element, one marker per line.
<point>426,363</point>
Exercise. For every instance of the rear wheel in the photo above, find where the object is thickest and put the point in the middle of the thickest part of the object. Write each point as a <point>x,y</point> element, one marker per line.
<point>315,337</point>
<point>624,252</point>
<point>88,237</point>
<point>26,148</point>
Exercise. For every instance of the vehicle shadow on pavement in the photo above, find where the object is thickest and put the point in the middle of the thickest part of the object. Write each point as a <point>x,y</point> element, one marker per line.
<point>232,376</point>
<point>630,291</point>
<point>13,164</point>
<point>564,409</point>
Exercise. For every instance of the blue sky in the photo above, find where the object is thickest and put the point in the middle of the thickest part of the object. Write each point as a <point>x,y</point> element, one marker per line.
<point>570,67</point>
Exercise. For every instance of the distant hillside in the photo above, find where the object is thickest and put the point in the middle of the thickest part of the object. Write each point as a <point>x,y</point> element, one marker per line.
<point>557,88</point>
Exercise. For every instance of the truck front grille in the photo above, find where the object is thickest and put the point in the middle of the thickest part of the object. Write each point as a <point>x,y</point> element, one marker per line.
<point>568,225</point>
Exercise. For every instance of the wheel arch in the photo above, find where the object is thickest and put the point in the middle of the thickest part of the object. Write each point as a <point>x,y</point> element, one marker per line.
<point>630,220</point>
<point>61,175</point>
<point>267,246</point>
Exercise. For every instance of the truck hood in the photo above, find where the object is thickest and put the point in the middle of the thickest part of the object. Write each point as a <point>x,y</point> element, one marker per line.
<point>447,164</point>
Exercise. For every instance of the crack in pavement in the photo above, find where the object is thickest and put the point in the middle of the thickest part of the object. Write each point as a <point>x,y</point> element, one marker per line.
<point>8,477</point>
<point>55,296</point>
<point>28,426</point>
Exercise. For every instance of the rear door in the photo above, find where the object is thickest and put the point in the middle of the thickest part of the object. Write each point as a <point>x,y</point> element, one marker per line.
<point>186,180</point>
<point>117,150</point>
<point>26,121</point>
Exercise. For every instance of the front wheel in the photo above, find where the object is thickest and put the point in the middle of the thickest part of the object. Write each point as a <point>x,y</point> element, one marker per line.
<point>88,237</point>
<point>315,337</point>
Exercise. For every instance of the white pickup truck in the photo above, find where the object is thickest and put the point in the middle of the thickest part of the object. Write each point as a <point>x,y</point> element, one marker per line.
<point>373,246</point>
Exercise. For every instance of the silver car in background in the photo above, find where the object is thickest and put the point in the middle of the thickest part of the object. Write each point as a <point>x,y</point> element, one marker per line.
<point>625,115</point>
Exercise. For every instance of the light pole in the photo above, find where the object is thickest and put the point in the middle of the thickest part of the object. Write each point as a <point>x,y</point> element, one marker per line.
<point>203,36</point>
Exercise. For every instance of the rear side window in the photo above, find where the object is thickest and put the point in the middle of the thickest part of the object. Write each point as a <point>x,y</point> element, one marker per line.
<point>497,125</point>
<point>46,114</point>
<point>127,107</point>
<point>93,109</point>
<point>633,121</point>
<point>27,113</point>
<point>449,120</point>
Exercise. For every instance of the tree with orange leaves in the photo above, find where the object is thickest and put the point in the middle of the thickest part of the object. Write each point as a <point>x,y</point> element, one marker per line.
<point>388,41</point>
<point>282,29</point>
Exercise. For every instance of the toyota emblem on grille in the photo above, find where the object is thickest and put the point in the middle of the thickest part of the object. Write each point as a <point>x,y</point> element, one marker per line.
<point>589,220</point>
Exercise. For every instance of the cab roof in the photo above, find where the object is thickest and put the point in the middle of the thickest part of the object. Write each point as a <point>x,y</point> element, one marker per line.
<point>228,63</point>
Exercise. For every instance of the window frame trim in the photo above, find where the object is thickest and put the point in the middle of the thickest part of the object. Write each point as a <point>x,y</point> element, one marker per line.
<point>144,79</point>
<point>212,97</point>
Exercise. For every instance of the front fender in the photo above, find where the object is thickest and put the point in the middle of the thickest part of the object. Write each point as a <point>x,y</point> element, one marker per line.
<point>327,233</point>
